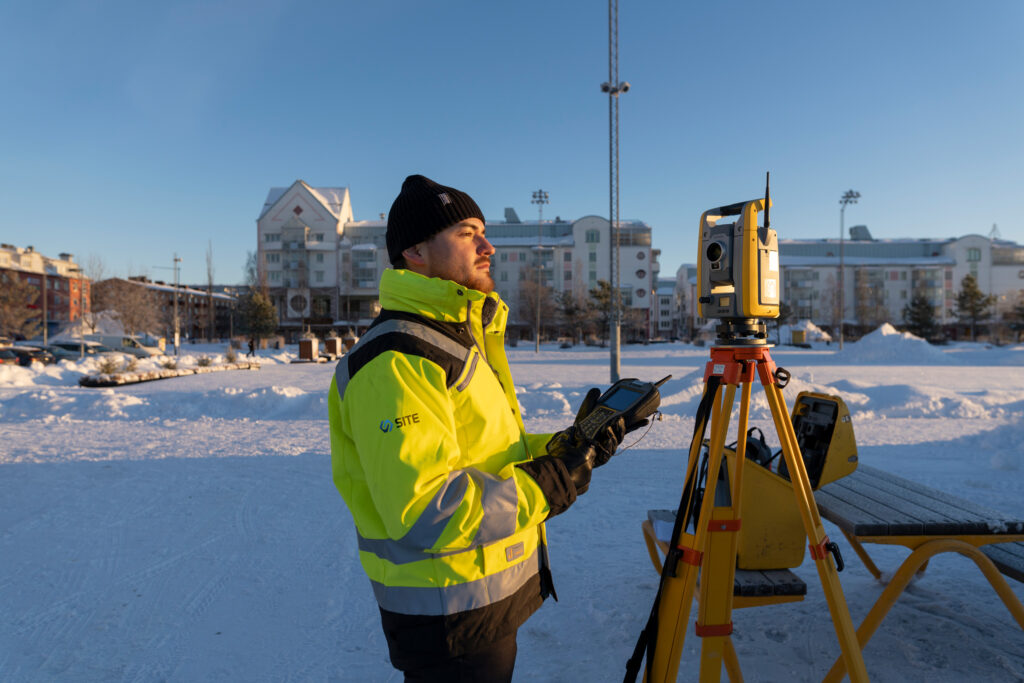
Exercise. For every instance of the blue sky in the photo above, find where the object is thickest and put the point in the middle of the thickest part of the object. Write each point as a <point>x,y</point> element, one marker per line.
<point>134,130</point>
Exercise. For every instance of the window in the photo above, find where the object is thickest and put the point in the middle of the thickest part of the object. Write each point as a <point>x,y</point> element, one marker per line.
<point>318,237</point>
<point>274,276</point>
<point>641,255</point>
<point>641,293</point>
<point>593,236</point>
<point>318,276</point>
<point>974,254</point>
<point>503,276</point>
<point>593,257</point>
<point>273,258</point>
<point>641,274</point>
<point>503,256</point>
<point>272,237</point>
<point>319,258</point>
<point>568,276</point>
<point>567,257</point>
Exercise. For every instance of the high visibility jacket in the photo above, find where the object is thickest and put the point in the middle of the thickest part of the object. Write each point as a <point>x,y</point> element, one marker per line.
<point>426,434</point>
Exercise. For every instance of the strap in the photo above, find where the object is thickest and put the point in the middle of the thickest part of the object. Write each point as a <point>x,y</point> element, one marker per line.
<point>648,639</point>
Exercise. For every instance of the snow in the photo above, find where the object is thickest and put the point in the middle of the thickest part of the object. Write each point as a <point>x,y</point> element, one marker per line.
<point>187,529</point>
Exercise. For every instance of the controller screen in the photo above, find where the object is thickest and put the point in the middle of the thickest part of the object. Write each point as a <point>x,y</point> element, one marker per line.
<point>620,399</point>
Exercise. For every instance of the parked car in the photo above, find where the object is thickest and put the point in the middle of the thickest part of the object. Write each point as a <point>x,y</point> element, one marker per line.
<point>141,347</point>
<point>60,353</point>
<point>90,348</point>
<point>27,354</point>
<point>8,357</point>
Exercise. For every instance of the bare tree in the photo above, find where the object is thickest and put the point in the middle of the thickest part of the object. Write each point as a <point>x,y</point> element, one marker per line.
<point>136,306</point>
<point>95,269</point>
<point>18,314</point>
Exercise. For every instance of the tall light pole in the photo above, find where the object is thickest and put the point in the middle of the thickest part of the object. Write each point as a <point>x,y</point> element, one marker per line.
<point>614,88</point>
<point>540,198</point>
<point>177,334</point>
<point>849,197</point>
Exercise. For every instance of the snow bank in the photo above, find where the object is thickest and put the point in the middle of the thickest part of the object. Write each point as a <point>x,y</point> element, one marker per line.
<point>887,344</point>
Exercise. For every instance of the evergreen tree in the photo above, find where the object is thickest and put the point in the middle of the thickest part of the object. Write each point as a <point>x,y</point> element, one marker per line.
<point>972,304</point>
<point>919,317</point>
<point>601,296</point>
<point>259,315</point>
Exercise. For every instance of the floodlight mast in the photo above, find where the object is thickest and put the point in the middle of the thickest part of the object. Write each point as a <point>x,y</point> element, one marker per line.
<point>540,198</point>
<point>614,88</point>
<point>849,197</point>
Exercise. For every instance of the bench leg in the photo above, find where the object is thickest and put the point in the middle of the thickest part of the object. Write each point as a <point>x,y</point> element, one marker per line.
<point>863,555</point>
<point>906,572</point>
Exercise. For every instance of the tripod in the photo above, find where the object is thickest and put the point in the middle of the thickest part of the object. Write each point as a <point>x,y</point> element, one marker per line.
<point>704,540</point>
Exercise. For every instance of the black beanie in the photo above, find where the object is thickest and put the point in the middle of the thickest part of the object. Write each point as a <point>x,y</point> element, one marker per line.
<point>421,210</point>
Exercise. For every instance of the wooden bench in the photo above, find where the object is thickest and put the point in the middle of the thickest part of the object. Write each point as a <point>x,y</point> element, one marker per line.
<point>1008,558</point>
<point>872,506</point>
<point>751,588</point>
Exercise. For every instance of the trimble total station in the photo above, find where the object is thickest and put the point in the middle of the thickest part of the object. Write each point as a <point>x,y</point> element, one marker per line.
<point>738,270</point>
<point>763,521</point>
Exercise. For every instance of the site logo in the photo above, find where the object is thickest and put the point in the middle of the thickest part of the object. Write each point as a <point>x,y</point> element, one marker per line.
<point>399,422</point>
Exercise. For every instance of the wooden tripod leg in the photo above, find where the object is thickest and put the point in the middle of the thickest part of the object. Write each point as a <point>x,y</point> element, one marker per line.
<point>678,591</point>
<point>717,576</point>
<point>847,635</point>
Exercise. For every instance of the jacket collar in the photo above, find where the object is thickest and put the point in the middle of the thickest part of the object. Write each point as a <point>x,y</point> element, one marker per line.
<point>438,299</point>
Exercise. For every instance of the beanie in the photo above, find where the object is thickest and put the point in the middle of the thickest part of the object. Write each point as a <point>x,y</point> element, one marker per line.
<point>421,210</point>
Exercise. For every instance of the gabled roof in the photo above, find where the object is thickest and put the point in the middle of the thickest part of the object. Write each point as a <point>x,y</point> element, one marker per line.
<point>332,198</point>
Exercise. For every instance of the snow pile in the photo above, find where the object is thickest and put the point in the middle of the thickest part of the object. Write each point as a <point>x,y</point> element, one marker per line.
<point>812,333</point>
<point>887,344</point>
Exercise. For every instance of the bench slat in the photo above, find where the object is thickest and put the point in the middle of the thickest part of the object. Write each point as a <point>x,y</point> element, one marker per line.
<point>747,582</point>
<point>1008,558</point>
<point>913,505</point>
<point>995,522</point>
<point>848,516</point>
<point>869,507</point>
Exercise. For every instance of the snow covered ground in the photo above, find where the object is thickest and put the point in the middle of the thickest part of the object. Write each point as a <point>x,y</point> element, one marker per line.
<point>187,529</point>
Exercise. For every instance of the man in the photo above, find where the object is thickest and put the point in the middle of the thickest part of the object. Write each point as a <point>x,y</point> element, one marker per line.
<point>448,492</point>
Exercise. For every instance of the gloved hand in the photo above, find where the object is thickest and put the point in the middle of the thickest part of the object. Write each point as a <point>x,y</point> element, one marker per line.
<point>581,455</point>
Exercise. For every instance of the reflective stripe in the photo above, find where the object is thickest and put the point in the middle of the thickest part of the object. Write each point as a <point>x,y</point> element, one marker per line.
<point>469,375</point>
<point>498,501</point>
<point>425,532</point>
<point>439,600</point>
<point>396,552</point>
<point>418,330</point>
<point>341,376</point>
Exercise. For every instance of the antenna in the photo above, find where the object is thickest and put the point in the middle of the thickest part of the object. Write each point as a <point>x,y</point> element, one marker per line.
<point>767,197</point>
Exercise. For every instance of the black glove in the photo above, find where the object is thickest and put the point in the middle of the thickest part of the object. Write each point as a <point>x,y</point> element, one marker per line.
<point>581,455</point>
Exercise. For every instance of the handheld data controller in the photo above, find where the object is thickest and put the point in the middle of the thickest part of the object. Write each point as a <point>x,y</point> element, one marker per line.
<point>628,398</point>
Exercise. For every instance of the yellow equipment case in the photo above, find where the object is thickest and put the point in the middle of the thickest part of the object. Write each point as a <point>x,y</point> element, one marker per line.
<point>772,534</point>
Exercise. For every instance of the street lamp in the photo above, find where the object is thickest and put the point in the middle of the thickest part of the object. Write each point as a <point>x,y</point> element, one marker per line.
<point>540,198</point>
<point>849,197</point>
<point>614,88</point>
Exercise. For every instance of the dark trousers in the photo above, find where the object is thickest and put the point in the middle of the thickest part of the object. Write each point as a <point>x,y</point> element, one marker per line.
<point>491,665</point>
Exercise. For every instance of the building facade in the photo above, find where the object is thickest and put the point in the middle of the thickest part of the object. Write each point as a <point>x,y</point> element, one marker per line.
<point>881,276</point>
<point>62,282</point>
<point>322,268</point>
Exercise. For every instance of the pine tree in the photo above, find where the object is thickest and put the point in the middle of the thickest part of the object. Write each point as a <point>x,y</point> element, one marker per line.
<point>972,304</point>
<point>919,317</point>
<point>259,315</point>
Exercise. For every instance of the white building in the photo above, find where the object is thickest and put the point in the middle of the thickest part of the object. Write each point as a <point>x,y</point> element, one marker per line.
<point>880,277</point>
<point>323,268</point>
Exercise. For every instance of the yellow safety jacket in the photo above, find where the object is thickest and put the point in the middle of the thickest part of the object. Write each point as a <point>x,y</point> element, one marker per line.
<point>426,434</point>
